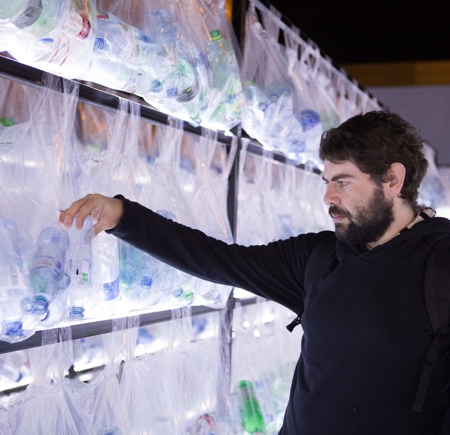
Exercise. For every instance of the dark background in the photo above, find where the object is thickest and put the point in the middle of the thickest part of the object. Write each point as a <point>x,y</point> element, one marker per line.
<point>373,31</point>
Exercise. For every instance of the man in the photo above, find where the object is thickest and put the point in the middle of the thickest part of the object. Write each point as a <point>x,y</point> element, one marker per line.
<point>361,305</point>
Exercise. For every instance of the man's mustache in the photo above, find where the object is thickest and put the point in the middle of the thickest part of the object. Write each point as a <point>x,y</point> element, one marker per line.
<point>335,210</point>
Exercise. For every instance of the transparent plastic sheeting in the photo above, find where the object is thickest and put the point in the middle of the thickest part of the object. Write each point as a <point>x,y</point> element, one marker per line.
<point>51,275</point>
<point>171,377</point>
<point>181,57</point>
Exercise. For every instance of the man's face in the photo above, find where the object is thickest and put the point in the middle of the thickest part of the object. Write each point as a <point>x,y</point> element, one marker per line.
<point>361,211</point>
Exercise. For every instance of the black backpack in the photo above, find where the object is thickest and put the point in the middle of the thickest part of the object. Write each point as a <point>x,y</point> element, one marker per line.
<point>437,300</point>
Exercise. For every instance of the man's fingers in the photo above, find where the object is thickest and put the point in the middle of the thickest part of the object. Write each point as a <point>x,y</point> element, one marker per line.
<point>81,208</point>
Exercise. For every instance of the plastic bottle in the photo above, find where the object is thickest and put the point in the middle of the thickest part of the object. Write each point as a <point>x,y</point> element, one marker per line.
<point>12,281</point>
<point>160,30</point>
<point>106,267</point>
<point>48,270</point>
<point>122,57</point>
<point>204,425</point>
<point>251,415</point>
<point>58,40</point>
<point>20,13</point>
<point>80,266</point>
<point>225,78</point>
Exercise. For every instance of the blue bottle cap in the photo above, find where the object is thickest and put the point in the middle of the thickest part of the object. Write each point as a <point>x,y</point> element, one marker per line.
<point>172,92</point>
<point>100,44</point>
<point>309,119</point>
<point>110,290</point>
<point>40,305</point>
<point>13,329</point>
<point>146,281</point>
<point>76,313</point>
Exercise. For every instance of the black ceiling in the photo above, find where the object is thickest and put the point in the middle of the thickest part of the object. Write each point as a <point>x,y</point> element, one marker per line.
<point>359,31</point>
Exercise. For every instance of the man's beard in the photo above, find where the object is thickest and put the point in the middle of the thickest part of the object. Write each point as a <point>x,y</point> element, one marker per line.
<point>368,224</point>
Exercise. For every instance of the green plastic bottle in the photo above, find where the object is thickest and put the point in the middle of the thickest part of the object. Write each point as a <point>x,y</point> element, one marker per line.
<point>251,414</point>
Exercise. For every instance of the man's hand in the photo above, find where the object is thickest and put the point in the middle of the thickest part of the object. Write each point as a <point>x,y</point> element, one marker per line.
<point>105,211</point>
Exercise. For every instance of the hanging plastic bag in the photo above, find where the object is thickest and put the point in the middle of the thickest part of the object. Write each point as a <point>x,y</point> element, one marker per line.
<point>271,115</point>
<point>208,199</point>
<point>252,411</point>
<point>226,99</point>
<point>107,410</point>
<point>45,405</point>
<point>185,78</point>
<point>55,35</point>
<point>164,194</point>
<point>35,161</point>
<point>151,372</point>
<point>256,216</point>
<point>98,172</point>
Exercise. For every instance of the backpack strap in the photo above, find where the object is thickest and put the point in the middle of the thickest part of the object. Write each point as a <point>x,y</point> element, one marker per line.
<point>437,301</point>
<point>319,254</point>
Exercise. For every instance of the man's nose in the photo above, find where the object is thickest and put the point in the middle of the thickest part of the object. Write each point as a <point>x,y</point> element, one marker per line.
<point>331,196</point>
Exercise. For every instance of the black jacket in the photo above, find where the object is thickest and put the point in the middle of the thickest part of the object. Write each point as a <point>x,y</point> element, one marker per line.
<point>366,328</point>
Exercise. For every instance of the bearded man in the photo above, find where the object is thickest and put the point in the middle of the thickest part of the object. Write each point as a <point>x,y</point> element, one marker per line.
<point>358,291</point>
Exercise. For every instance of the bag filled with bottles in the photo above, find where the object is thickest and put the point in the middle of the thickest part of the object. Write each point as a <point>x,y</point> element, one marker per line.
<point>56,36</point>
<point>37,169</point>
<point>226,99</point>
<point>184,77</point>
<point>272,115</point>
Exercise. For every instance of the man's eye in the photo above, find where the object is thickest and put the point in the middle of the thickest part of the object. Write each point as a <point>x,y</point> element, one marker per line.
<point>343,183</point>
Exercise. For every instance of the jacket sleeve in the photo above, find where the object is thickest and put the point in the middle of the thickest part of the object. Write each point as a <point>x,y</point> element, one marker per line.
<point>274,271</point>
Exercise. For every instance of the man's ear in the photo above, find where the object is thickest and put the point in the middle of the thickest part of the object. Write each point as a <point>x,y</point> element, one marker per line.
<point>395,178</point>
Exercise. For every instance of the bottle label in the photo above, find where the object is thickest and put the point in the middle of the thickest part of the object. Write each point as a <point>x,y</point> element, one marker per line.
<point>85,28</point>
<point>50,263</point>
<point>11,278</point>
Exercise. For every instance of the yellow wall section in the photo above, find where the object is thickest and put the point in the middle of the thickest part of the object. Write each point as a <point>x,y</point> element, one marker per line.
<point>400,73</point>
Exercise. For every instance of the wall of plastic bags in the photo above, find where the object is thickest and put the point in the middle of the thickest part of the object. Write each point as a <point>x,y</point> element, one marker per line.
<point>182,58</point>
<point>48,160</point>
<point>170,377</point>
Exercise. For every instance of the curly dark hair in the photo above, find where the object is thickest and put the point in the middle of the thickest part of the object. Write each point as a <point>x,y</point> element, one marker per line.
<point>373,142</point>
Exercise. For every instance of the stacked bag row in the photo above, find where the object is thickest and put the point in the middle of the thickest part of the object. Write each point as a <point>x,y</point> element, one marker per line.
<point>183,59</point>
<point>52,275</point>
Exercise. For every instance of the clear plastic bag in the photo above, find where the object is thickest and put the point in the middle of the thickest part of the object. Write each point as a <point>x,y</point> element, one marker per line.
<point>208,199</point>
<point>256,216</point>
<point>164,194</point>
<point>271,115</point>
<point>226,99</point>
<point>94,173</point>
<point>108,412</point>
<point>47,405</point>
<point>56,36</point>
<point>152,372</point>
<point>37,169</point>
<point>185,80</point>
